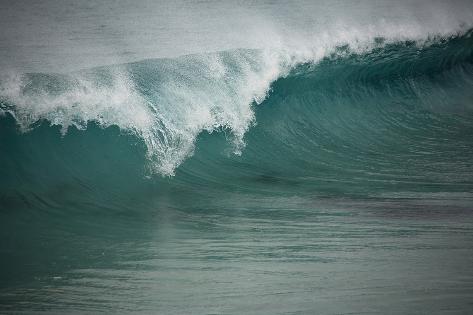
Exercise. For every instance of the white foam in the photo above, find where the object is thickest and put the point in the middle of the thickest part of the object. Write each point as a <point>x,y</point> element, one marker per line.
<point>193,93</point>
<point>170,103</point>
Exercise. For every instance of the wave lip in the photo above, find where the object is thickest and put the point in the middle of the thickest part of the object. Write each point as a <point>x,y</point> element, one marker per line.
<point>168,103</point>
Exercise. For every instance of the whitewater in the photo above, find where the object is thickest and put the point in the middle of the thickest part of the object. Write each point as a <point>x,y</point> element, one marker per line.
<point>169,102</point>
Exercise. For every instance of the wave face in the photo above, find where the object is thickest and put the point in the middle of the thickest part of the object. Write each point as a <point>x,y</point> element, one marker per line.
<point>391,116</point>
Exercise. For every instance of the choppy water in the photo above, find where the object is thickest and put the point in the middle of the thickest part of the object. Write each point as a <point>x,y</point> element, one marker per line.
<point>324,167</point>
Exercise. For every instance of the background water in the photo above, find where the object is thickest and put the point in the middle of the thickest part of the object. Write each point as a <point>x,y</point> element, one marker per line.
<point>228,158</point>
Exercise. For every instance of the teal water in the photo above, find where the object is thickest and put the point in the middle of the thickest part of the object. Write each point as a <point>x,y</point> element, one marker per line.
<point>244,181</point>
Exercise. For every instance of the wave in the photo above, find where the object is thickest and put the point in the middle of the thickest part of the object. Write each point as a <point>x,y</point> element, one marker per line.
<point>385,116</point>
<point>165,102</point>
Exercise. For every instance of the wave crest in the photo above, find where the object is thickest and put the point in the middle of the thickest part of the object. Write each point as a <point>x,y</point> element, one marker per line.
<point>169,102</point>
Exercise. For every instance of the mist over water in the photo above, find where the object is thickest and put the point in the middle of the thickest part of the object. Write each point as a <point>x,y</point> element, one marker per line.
<point>59,36</point>
<point>225,158</point>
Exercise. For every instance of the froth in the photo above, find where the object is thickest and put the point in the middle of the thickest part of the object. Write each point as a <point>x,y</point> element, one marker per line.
<point>169,102</point>
<point>166,102</point>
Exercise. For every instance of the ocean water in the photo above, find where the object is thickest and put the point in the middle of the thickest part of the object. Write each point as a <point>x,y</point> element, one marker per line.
<point>251,157</point>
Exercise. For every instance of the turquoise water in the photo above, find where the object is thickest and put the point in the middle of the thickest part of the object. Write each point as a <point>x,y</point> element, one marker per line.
<point>333,179</point>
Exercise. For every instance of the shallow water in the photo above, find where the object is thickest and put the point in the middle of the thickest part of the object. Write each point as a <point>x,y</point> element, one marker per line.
<point>266,256</point>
